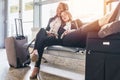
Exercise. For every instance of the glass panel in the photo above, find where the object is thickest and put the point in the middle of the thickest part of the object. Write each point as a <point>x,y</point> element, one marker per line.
<point>47,12</point>
<point>28,6</point>
<point>27,15</point>
<point>13,11</point>
<point>36,14</point>
<point>27,29</point>
<point>85,10</point>
<point>43,0</point>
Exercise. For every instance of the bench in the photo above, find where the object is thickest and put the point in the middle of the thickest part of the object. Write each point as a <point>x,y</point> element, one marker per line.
<point>75,54</point>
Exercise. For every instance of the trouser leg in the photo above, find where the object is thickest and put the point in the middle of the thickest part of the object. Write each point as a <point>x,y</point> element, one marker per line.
<point>41,35</point>
<point>46,42</point>
<point>75,39</point>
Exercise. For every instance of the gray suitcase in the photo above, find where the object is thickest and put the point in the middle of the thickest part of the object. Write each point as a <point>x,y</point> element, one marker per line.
<point>17,53</point>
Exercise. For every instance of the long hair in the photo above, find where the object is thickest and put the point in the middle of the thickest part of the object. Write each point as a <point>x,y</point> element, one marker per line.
<point>65,6</point>
<point>62,5</point>
<point>69,15</point>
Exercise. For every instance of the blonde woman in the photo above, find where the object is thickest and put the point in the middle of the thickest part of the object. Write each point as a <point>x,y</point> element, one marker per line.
<point>72,35</point>
<point>69,25</point>
<point>47,37</point>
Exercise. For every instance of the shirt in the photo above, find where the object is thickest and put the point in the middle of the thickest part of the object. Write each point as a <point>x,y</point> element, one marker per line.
<point>55,25</point>
<point>67,26</point>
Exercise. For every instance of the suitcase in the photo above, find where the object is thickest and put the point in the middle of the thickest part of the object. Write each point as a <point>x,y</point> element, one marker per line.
<point>109,44</point>
<point>17,54</point>
<point>102,66</point>
<point>95,65</point>
<point>103,57</point>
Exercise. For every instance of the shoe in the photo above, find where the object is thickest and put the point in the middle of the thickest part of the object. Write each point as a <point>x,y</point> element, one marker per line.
<point>34,73</point>
<point>34,56</point>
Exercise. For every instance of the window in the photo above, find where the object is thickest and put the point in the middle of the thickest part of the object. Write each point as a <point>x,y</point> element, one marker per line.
<point>48,11</point>
<point>27,16</point>
<point>20,9</point>
<point>13,12</point>
<point>85,10</point>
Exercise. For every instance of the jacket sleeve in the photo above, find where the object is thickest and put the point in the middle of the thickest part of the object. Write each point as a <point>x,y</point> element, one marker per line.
<point>73,25</point>
<point>77,23</point>
<point>48,26</point>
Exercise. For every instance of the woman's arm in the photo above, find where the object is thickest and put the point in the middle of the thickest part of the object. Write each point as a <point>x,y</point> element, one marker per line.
<point>73,28</point>
<point>77,23</point>
<point>48,26</point>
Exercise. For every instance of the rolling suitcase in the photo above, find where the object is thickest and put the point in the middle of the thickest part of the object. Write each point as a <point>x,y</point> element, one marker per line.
<point>103,57</point>
<point>17,53</point>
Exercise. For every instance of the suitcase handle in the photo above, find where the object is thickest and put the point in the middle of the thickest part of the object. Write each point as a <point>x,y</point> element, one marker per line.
<point>19,25</point>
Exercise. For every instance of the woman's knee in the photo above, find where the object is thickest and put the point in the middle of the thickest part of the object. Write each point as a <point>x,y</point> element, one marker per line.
<point>42,31</point>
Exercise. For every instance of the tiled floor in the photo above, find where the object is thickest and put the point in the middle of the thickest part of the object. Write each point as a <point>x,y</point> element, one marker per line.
<point>8,73</point>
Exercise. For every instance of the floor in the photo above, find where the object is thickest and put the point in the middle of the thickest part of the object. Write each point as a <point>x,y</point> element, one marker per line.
<point>8,73</point>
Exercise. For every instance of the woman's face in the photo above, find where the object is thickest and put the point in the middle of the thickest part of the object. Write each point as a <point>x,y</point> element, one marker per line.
<point>65,17</point>
<point>59,9</point>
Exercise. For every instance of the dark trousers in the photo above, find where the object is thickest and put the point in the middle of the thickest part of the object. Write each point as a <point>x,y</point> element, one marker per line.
<point>75,39</point>
<point>78,37</point>
<point>42,41</point>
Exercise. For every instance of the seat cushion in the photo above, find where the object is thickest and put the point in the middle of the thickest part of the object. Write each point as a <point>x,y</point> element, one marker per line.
<point>63,48</point>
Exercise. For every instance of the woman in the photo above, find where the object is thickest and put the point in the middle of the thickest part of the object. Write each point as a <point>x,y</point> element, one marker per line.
<point>69,25</point>
<point>72,36</point>
<point>50,36</point>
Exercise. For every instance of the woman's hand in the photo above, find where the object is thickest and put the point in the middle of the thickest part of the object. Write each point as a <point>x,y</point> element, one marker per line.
<point>51,34</point>
<point>48,32</point>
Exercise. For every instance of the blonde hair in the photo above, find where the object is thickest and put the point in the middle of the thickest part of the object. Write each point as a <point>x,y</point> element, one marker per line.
<point>65,6</point>
<point>69,14</point>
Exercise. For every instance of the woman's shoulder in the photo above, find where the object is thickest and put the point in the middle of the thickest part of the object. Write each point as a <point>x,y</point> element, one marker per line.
<point>52,18</point>
<point>78,22</point>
